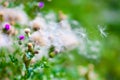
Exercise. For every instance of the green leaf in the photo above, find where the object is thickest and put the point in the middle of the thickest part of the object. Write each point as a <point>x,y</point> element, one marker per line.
<point>13,59</point>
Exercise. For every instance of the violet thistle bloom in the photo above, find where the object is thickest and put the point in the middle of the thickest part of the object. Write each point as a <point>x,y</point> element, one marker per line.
<point>41,4</point>
<point>21,37</point>
<point>7,27</point>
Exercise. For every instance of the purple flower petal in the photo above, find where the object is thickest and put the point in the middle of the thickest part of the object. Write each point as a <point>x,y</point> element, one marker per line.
<point>21,37</point>
<point>7,27</point>
<point>41,4</point>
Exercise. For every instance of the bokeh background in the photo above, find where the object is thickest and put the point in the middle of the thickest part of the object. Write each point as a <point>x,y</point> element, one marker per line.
<point>90,14</point>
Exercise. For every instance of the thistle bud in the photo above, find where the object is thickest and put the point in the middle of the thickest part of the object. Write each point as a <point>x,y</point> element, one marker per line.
<point>30,45</point>
<point>51,55</point>
<point>30,48</point>
<point>41,4</point>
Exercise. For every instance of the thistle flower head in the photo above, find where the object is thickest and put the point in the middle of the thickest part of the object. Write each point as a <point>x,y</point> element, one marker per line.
<point>7,27</point>
<point>21,37</point>
<point>27,30</point>
<point>41,4</point>
<point>17,15</point>
<point>36,26</point>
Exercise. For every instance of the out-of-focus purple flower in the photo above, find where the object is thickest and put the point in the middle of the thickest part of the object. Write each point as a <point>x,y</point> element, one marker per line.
<point>41,4</point>
<point>7,27</point>
<point>21,37</point>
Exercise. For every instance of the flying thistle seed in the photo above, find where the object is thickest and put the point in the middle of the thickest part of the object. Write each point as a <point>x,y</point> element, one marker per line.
<point>102,31</point>
<point>41,4</point>
<point>7,27</point>
<point>21,37</point>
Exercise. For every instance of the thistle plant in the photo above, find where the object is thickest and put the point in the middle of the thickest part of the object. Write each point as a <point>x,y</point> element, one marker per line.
<point>39,47</point>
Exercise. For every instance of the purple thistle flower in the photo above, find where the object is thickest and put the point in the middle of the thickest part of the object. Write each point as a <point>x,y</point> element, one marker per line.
<point>21,37</point>
<point>7,27</point>
<point>41,4</point>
